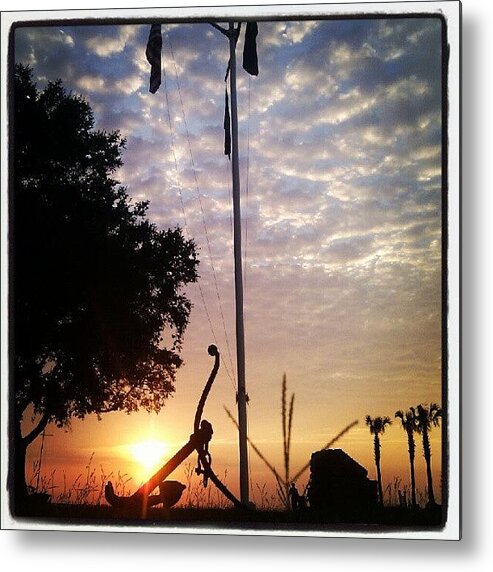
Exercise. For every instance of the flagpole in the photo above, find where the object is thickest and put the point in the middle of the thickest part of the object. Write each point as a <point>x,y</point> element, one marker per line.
<point>240,330</point>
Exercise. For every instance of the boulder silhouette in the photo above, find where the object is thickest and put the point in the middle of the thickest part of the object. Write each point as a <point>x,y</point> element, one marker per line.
<point>339,486</point>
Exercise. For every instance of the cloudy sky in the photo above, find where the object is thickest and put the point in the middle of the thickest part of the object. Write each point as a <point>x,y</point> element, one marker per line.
<point>340,157</point>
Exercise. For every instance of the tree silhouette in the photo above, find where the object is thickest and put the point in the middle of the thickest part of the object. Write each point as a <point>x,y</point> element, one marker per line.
<point>99,313</point>
<point>377,427</point>
<point>408,423</point>
<point>426,418</point>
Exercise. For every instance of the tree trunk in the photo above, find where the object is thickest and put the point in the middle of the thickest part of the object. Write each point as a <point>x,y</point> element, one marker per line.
<point>412,449</point>
<point>427,456</point>
<point>20,485</point>
<point>376,443</point>
<point>413,482</point>
<point>19,456</point>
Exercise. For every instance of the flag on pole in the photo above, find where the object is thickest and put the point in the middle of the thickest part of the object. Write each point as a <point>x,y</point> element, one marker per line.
<point>227,126</point>
<point>153,55</point>
<point>250,59</point>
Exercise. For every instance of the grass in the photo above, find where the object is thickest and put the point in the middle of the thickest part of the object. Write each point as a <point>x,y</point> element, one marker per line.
<point>198,496</point>
<point>199,507</point>
<point>86,489</point>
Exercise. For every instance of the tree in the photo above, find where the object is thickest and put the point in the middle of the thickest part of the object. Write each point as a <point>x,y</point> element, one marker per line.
<point>99,313</point>
<point>426,418</point>
<point>408,423</point>
<point>377,427</point>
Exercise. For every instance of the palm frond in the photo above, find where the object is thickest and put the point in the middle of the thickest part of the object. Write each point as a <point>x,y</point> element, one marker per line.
<point>385,421</point>
<point>435,414</point>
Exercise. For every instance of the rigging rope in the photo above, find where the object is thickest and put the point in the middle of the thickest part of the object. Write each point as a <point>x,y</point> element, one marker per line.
<point>180,194</point>
<point>206,232</point>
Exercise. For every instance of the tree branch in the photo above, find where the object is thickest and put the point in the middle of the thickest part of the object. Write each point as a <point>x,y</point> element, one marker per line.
<point>119,404</point>
<point>40,427</point>
<point>21,406</point>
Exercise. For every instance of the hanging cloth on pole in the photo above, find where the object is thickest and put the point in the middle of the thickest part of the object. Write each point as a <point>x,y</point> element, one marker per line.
<point>153,55</point>
<point>250,59</point>
<point>227,125</point>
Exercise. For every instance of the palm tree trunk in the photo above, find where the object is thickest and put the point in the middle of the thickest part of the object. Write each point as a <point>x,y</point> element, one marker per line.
<point>413,483</point>
<point>427,456</point>
<point>376,444</point>
<point>412,449</point>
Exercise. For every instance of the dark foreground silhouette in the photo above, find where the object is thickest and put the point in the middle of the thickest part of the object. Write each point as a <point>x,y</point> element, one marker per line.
<point>339,487</point>
<point>169,494</point>
<point>309,519</point>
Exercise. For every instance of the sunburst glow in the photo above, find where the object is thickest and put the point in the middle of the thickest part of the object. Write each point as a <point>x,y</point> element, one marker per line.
<point>150,454</point>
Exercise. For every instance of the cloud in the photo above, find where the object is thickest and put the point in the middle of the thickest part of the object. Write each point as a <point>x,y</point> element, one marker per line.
<point>282,33</point>
<point>340,136</point>
<point>90,84</point>
<point>109,43</point>
<point>129,84</point>
<point>50,36</point>
<point>45,49</point>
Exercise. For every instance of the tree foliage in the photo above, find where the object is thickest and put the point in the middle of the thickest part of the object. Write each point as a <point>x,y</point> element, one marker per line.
<point>99,312</point>
<point>377,424</point>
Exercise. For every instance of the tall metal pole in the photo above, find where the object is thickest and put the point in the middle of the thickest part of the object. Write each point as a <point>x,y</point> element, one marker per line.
<point>240,331</point>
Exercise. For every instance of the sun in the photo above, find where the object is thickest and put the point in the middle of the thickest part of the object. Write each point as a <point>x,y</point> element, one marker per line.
<point>150,453</point>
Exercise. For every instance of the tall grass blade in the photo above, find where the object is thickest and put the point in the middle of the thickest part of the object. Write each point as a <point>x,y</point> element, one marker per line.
<point>272,469</point>
<point>327,446</point>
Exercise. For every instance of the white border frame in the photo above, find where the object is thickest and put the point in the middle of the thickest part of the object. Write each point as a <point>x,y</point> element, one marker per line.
<point>451,11</point>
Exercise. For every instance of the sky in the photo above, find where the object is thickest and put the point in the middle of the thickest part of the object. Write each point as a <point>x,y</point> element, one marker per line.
<point>340,158</point>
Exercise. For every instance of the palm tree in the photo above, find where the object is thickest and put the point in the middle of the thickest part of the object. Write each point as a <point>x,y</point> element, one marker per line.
<point>426,418</point>
<point>377,426</point>
<point>408,422</point>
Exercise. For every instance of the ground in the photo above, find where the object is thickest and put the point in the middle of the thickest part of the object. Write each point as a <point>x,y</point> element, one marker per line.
<point>388,519</point>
